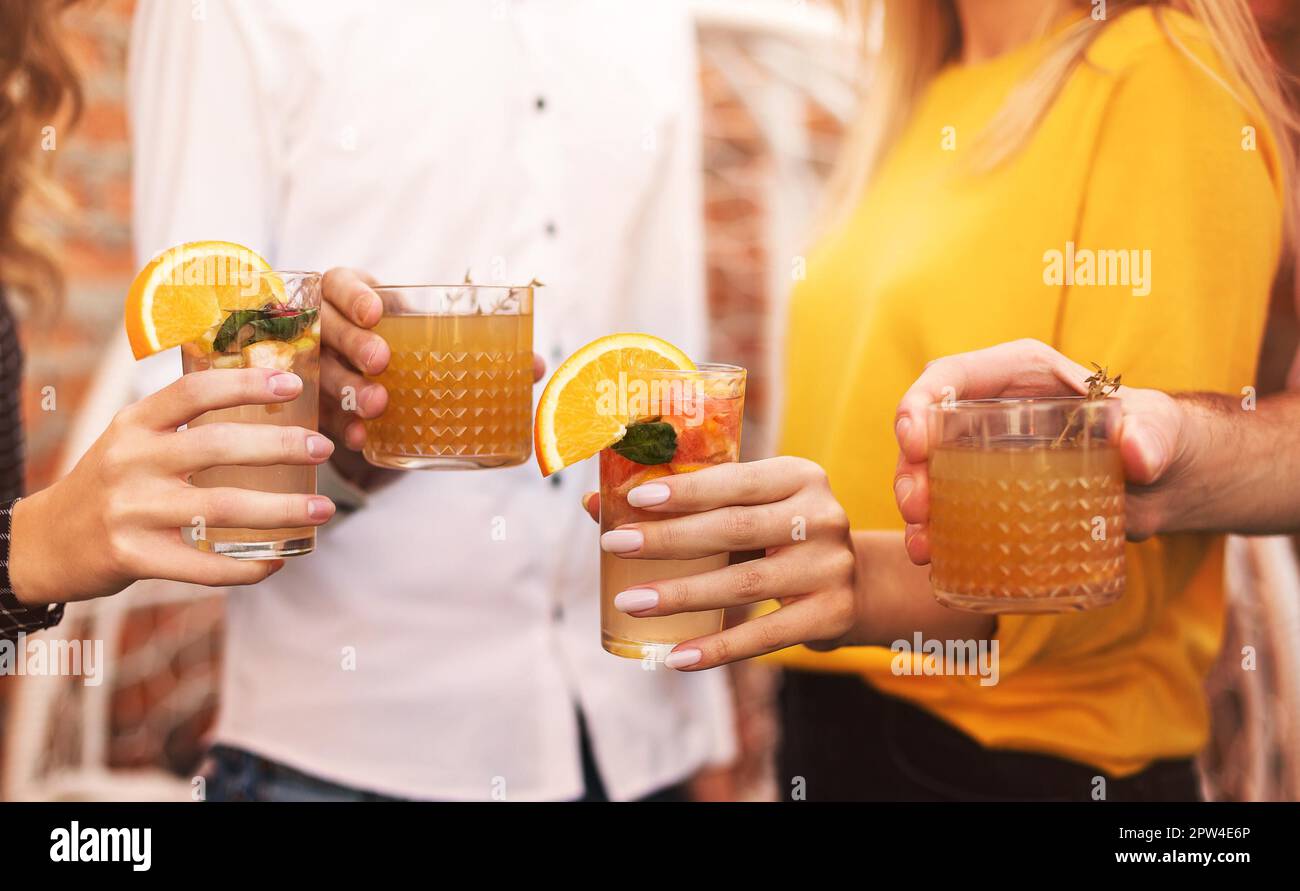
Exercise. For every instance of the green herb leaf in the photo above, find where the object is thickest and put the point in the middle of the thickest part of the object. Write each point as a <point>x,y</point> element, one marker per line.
<point>651,442</point>
<point>262,326</point>
<point>281,327</point>
<point>230,327</point>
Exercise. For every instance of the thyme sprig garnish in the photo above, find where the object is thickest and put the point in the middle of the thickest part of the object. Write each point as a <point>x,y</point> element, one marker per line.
<point>1100,386</point>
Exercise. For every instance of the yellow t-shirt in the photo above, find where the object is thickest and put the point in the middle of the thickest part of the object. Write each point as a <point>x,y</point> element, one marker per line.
<point>1142,150</point>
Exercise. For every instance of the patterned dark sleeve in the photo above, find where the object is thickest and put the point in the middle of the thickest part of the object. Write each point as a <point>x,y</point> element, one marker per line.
<point>14,617</point>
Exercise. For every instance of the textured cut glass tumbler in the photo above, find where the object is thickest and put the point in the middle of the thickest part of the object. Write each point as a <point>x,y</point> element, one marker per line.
<point>1026,504</point>
<point>460,381</point>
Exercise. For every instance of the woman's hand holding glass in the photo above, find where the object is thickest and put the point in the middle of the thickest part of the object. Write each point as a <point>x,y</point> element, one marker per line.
<point>117,517</point>
<point>782,507</point>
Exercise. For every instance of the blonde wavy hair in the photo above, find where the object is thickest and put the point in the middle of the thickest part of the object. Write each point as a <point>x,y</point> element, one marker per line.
<point>38,88</point>
<point>920,37</point>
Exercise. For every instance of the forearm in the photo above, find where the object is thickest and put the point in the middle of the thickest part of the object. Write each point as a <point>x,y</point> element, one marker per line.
<point>1240,471</point>
<point>895,601</point>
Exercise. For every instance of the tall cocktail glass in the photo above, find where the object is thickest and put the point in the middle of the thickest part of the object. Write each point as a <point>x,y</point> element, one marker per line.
<point>704,407</point>
<point>284,334</point>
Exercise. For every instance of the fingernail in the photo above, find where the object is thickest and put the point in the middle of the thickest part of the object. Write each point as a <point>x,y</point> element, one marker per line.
<point>365,307</point>
<point>276,566</point>
<point>682,658</point>
<point>284,384</point>
<point>901,429</point>
<point>621,541</point>
<point>648,495</point>
<point>634,600</point>
<point>909,533</point>
<point>1149,454</point>
<point>903,487</point>
<point>318,446</point>
<point>319,508</point>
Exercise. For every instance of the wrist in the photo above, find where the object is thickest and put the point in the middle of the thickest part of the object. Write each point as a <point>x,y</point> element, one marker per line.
<point>1186,494</point>
<point>29,567</point>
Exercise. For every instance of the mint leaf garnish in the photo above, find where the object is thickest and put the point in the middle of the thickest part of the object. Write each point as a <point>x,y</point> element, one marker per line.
<point>649,442</point>
<point>263,325</point>
<point>230,327</point>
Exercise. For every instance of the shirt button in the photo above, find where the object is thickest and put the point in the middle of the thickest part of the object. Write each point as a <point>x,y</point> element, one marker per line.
<point>541,103</point>
<point>550,228</point>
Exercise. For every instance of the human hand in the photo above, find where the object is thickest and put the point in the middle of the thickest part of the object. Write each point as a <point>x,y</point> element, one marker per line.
<point>782,507</point>
<point>1154,445</point>
<point>117,516</point>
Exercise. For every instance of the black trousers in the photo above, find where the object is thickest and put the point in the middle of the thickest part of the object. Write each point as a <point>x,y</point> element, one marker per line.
<point>849,742</point>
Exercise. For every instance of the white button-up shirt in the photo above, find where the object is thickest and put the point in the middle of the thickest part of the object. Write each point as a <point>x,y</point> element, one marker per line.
<point>418,651</point>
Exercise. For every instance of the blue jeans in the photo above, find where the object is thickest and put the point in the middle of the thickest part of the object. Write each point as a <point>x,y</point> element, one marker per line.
<point>238,775</point>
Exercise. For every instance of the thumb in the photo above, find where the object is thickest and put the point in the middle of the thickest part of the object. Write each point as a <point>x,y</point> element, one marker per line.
<point>1148,445</point>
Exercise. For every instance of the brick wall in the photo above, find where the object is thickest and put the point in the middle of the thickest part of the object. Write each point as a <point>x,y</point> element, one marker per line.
<point>93,166</point>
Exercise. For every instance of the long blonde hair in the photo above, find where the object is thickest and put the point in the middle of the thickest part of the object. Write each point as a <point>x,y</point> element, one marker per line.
<point>38,88</point>
<point>920,37</point>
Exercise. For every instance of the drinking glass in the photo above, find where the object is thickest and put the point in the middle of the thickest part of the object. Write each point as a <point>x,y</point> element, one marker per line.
<point>704,408</point>
<point>460,380</point>
<point>1026,504</point>
<point>283,334</point>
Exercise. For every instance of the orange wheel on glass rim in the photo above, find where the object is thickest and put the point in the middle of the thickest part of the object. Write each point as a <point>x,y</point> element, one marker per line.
<point>570,426</point>
<point>183,292</point>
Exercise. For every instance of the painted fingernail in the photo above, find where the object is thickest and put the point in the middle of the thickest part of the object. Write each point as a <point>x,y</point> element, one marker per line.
<point>318,446</point>
<point>648,495</point>
<point>621,541</point>
<point>901,429</point>
<point>903,487</point>
<point>319,508</point>
<point>634,600</point>
<point>682,658</point>
<point>284,384</point>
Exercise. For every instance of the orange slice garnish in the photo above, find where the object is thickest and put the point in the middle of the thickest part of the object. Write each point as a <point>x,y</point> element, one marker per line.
<point>185,290</point>
<point>579,412</point>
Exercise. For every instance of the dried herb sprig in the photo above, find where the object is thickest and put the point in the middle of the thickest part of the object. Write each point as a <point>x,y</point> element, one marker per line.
<point>1100,386</point>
